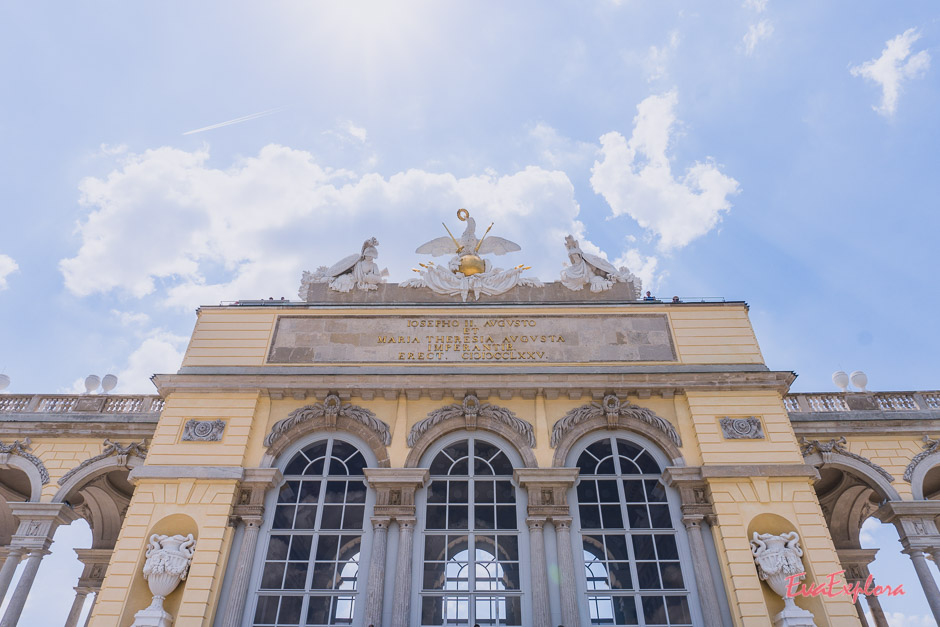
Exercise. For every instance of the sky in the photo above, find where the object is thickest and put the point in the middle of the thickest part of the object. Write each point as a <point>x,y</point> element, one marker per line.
<point>158,157</point>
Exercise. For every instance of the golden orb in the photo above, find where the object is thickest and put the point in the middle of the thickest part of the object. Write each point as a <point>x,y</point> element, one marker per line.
<point>472,264</point>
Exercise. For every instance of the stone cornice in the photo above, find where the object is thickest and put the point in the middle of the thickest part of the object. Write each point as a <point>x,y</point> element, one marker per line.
<point>368,382</point>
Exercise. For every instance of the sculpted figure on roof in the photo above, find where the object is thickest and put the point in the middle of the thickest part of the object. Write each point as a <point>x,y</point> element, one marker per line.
<point>591,270</point>
<point>467,272</point>
<point>357,271</point>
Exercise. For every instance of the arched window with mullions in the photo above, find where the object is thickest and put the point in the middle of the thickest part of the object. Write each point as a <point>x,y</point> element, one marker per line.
<point>311,559</point>
<point>471,560</point>
<point>633,573</point>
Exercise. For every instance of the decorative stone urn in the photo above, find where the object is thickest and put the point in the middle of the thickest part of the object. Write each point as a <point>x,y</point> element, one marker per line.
<point>779,558</point>
<point>168,559</point>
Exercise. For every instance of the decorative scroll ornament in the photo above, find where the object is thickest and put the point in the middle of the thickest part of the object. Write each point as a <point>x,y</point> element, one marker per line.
<point>748,428</point>
<point>593,271</point>
<point>168,559</point>
<point>357,271</point>
<point>930,447</point>
<point>21,449</point>
<point>613,409</point>
<point>467,271</point>
<point>203,430</point>
<point>330,409</point>
<point>122,451</point>
<point>470,410</point>
<point>779,561</point>
<point>836,446</point>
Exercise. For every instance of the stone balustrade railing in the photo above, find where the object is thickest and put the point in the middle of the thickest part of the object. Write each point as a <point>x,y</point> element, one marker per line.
<point>80,403</point>
<point>862,401</point>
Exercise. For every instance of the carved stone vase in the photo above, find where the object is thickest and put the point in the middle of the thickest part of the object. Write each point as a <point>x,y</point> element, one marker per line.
<point>168,559</point>
<point>778,558</point>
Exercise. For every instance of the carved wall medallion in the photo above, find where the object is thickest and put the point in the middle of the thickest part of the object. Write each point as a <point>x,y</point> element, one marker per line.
<point>930,447</point>
<point>203,430</point>
<point>121,451</point>
<point>748,428</point>
<point>331,408</point>
<point>613,409</point>
<point>21,449</point>
<point>470,410</point>
<point>836,446</point>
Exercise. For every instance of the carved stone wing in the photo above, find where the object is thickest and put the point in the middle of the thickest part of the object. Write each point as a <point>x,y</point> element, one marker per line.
<point>572,418</point>
<point>497,246</point>
<point>437,247</point>
<point>370,420</point>
<point>645,415</point>
<point>599,263</point>
<point>343,265</point>
<point>434,418</point>
<point>505,416</point>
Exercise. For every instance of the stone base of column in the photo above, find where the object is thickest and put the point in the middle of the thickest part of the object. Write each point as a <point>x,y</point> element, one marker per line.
<point>152,617</point>
<point>794,617</point>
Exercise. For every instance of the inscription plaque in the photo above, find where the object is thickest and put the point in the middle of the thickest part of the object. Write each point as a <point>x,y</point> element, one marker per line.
<point>510,339</point>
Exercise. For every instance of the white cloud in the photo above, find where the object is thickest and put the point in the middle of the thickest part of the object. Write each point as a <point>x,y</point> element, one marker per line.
<point>166,222</point>
<point>869,528</point>
<point>160,352</point>
<point>558,151</point>
<point>7,267</point>
<point>635,178</point>
<point>130,318</point>
<point>642,266</point>
<point>757,5</point>
<point>893,67</point>
<point>757,33</point>
<point>356,131</point>
<point>658,58</point>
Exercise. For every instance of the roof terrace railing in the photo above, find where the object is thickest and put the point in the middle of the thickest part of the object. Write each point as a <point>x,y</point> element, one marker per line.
<point>79,403</point>
<point>862,401</point>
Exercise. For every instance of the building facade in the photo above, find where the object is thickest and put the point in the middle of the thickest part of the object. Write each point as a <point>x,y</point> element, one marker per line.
<point>398,456</point>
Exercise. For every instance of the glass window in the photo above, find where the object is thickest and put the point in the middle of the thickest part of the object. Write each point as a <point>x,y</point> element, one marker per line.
<point>471,570</point>
<point>310,571</point>
<point>632,571</point>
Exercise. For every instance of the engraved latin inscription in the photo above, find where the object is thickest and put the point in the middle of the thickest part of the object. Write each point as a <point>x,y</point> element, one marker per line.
<point>455,339</point>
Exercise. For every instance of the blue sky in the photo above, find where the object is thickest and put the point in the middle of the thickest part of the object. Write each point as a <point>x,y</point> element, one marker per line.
<point>778,153</point>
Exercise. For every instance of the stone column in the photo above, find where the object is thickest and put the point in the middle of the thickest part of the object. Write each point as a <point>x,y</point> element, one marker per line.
<point>401,607</point>
<point>13,557</point>
<point>38,522</point>
<point>877,614</point>
<point>375,587</point>
<point>541,614</point>
<point>927,582</point>
<point>914,521</point>
<point>570,615</point>
<point>235,608</point>
<point>395,490</point>
<point>704,583</point>
<point>91,609</point>
<point>697,510</point>
<point>861,612</point>
<point>77,605</point>
<point>249,511</point>
<point>18,600</point>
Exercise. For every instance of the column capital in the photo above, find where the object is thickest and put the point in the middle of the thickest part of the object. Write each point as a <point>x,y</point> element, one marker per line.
<point>407,523</point>
<point>395,490</point>
<point>381,522</point>
<point>914,521</point>
<point>536,523</point>
<point>249,500</point>
<point>547,489</point>
<point>562,522</point>
<point>38,522</point>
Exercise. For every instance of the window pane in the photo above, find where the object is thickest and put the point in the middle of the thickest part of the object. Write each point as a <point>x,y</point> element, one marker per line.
<point>277,547</point>
<point>654,611</point>
<point>290,610</point>
<point>266,612</point>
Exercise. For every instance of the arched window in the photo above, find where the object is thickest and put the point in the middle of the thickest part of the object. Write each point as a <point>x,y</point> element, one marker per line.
<point>633,574</point>
<point>471,562</point>
<point>310,572</point>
